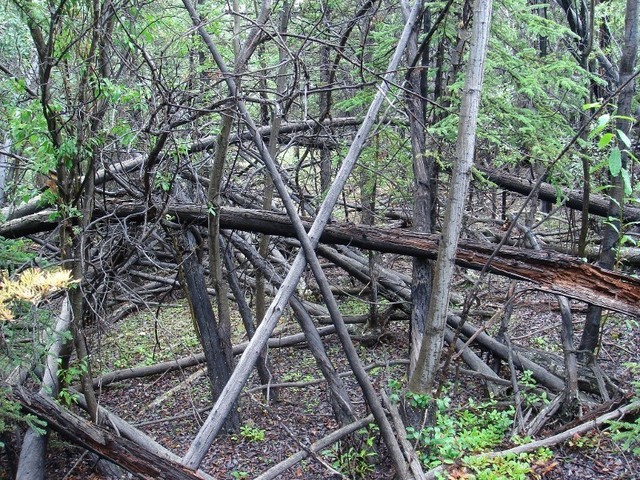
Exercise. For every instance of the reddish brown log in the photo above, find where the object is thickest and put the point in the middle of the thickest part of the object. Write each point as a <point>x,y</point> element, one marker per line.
<point>123,452</point>
<point>547,270</point>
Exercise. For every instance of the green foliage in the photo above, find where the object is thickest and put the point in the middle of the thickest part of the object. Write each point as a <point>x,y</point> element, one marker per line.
<point>354,306</point>
<point>531,394</point>
<point>237,474</point>
<point>251,433</point>
<point>69,376</point>
<point>521,119</point>
<point>457,437</point>
<point>611,139</point>
<point>627,432</point>
<point>14,253</point>
<point>357,462</point>
<point>507,467</point>
<point>163,181</point>
<point>10,413</point>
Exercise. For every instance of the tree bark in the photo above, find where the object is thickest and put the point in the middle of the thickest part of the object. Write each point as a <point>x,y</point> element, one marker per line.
<point>613,227</point>
<point>218,368</point>
<point>129,455</point>
<point>423,377</point>
<point>425,190</point>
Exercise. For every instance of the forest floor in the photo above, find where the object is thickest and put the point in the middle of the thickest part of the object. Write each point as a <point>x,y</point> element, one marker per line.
<point>271,432</point>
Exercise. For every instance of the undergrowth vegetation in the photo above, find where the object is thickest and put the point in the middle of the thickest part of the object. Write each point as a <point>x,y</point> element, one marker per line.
<point>26,331</point>
<point>147,338</point>
<point>459,436</point>
<point>627,432</point>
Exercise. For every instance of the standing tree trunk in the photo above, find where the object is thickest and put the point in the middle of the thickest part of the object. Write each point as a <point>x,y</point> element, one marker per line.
<point>368,187</point>
<point>5,169</point>
<point>423,377</point>
<point>276,120</point>
<point>218,367</point>
<point>423,174</point>
<point>214,194</point>
<point>612,228</point>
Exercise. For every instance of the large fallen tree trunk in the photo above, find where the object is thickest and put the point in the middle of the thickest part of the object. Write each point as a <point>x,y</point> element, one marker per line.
<point>549,271</point>
<point>37,203</point>
<point>121,451</point>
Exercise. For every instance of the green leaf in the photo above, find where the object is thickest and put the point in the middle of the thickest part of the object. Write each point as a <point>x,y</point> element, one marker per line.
<point>624,139</point>
<point>615,162</point>
<point>626,179</point>
<point>604,119</point>
<point>624,117</point>
<point>596,131</point>
<point>589,106</point>
<point>605,140</point>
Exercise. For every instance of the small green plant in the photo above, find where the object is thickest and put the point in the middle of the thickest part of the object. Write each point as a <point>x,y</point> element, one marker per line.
<point>627,432</point>
<point>354,306</point>
<point>507,467</point>
<point>239,474</point>
<point>531,395</point>
<point>395,387</point>
<point>459,436</point>
<point>355,461</point>
<point>14,253</point>
<point>587,441</point>
<point>11,412</point>
<point>251,433</point>
<point>69,376</point>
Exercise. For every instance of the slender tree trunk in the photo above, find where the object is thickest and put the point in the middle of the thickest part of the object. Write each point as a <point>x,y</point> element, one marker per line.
<point>214,198</point>
<point>214,195</point>
<point>262,365</point>
<point>368,186</point>
<point>276,120</point>
<point>423,173</point>
<point>5,170</point>
<point>613,228</point>
<point>218,367</point>
<point>423,377</point>
<point>207,433</point>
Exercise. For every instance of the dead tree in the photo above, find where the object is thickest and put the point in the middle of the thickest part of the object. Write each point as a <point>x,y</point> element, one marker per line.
<point>218,368</point>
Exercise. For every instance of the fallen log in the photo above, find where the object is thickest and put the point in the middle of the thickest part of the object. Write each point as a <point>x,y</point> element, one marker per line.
<point>549,271</point>
<point>598,204</point>
<point>129,455</point>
